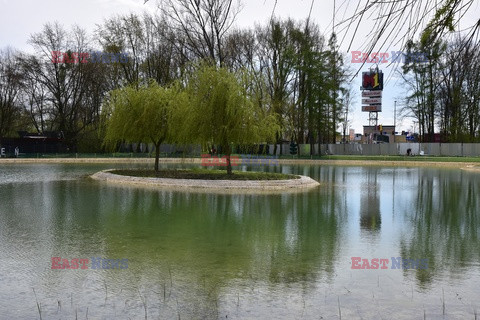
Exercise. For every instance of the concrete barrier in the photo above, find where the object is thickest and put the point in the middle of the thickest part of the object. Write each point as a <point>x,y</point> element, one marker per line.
<point>432,149</point>
<point>394,149</point>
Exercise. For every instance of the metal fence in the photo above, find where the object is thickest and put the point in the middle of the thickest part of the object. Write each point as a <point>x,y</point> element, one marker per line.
<point>389,149</point>
<point>384,149</point>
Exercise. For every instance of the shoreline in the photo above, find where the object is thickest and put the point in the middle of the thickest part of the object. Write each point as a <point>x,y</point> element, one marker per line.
<point>294,185</point>
<point>470,166</point>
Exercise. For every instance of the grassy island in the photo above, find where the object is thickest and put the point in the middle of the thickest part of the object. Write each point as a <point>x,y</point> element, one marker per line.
<point>204,174</point>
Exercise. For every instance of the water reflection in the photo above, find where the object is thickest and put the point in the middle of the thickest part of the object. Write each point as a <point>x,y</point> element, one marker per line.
<point>444,219</point>
<point>370,217</point>
<point>200,255</point>
<point>189,245</point>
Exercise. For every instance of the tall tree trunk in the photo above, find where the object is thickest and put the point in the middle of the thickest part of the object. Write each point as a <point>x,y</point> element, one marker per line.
<point>277,141</point>
<point>157,154</point>
<point>319,143</point>
<point>431,124</point>
<point>228,153</point>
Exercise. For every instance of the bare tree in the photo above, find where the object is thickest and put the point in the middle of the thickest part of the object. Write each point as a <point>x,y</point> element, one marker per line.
<point>275,54</point>
<point>124,34</point>
<point>10,85</point>
<point>165,54</point>
<point>203,24</point>
<point>63,95</point>
<point>241,48</point>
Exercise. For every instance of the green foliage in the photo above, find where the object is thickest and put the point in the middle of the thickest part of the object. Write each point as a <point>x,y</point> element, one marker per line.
<point>222,112</point>
<point>443,18</point>
<point>215,108</point>
<point>306,80</point>
<point>91,140</point>
<point>142,115</point>
<point>205,174</point>
<point>443,93</point>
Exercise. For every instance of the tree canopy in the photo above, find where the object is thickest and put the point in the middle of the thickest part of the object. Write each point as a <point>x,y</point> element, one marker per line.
<point>143,115</point>
<point>222,111</point>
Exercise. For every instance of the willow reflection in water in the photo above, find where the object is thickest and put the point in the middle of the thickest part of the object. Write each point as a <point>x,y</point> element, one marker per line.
<point>187,252</point>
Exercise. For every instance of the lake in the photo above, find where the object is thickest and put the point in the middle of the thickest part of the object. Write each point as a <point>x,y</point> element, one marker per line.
<point>161,254</point>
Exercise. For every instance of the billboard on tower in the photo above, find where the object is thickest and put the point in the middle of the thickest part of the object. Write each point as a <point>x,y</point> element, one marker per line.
<point>372,80</point>
<point>372,108</point>
<point>372,86</point>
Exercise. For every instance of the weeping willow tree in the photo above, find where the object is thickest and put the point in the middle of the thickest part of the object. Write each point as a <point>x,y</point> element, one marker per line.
<point>143,115</point>
<point>222,111</point>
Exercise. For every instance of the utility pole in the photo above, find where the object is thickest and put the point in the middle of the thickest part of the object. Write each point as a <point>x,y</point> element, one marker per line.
<point>394,121</point>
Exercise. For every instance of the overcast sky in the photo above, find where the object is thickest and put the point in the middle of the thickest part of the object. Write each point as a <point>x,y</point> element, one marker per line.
<point>20,18</point>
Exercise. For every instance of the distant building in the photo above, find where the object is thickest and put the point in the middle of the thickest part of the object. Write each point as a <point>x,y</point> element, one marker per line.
<point>379,134</point>
<point>49,142</point>
<point>352,135</point>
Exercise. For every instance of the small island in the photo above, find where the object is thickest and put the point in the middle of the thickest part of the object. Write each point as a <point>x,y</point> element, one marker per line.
<point>214,108</point>
<point>212,180</point>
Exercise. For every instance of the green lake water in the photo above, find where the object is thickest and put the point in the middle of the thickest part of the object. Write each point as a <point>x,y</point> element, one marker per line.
<point>194,255</point>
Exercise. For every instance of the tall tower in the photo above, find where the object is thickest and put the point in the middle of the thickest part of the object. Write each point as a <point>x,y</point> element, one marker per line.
<point>372,87</point>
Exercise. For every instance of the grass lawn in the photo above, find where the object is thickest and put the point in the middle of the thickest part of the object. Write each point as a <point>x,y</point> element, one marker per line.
<point>203,174</point>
